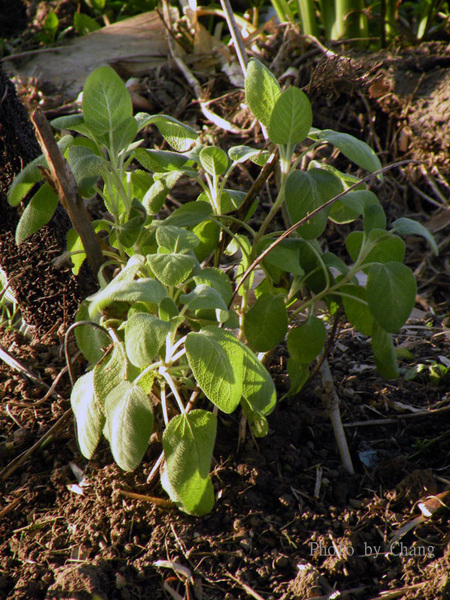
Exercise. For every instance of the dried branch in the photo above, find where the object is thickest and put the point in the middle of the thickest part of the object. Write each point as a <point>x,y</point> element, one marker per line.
<point>65,186</point>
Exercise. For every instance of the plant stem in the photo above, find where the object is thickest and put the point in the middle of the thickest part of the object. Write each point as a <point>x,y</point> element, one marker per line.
<point>236,35</point>
<point>330,401</point>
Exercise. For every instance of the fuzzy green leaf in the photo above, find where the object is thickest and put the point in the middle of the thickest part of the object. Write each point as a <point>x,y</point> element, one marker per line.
<point>110,372</point>
<point>216,358</point>
<point>129,423</point>
<point>160,161</point>
<point>265,324</point>
<point>391,292</point>
<point>38,213</point>
<point>90,340</point>
<point>384,352</point>
<point>144,336</point>
<point>177,134</point>
<point>142,290</point>
<point>88,416</point>
<point>171,269</point>
<point>213,160</point>
<point>204,297</point>
<point>176,239</point>
<point>305,192</point>
<point>216,279</point>
<point>106,101</point>
<point>355,150</point>
<point>405,226</point>
<point>306,341</point>
<point>188,443</point>
<point>189,214</point>
<point>354,299</point>
<point>291,118</point>
<point>261,91</point>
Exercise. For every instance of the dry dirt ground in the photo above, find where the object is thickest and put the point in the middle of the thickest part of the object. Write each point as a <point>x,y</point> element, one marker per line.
<point>289,522</point>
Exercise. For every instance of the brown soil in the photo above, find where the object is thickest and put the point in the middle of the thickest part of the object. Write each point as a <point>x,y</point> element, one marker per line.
<point>289,522</point>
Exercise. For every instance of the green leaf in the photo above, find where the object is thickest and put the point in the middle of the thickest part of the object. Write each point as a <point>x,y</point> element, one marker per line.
<point>216,279</point>
<point>291,118</point>
<point>189,214</point>
<point>144,336</point>
<point>298,375</point>
<point>106,101</point>
<point>171,269</point>
<point>231,200</point>
<point>68,121</point>
<point>203,297</point>
<point>38,213</point>
<point>405,226</point>
<point>167,309</point>
<point>90,340</point>
<point>84,24</point>
<point>176,239</point>
<point>132,227</point>
<point>156,195</point>
<point>354,299</point>
<point>355,150</point>
<point>213,160</point>
<point>122,136</point>
<point>208,234</point>
<point>265,324</point>
<point>129,423</point>
<point>142,290</point>
<point>88,416</point>
<point>351,206</point>
<point>391,292</point>
<point>306,341</point>
<point>216,358</point>
<point>374,218</point>
<point>239,154</point>
<point>386,247</point>
<point>160,161</point>
<point>258,387</point>
<point>306,192</point>
<point>285,256</point>
<point>177,134</point>
<point>384,352</point>
<point>261,91</point>
<point>86,167</point>
<point>188,443</point>
<point>110,372</point>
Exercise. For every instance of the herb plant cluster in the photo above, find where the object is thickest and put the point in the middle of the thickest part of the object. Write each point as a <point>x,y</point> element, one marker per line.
<point>171,326</point>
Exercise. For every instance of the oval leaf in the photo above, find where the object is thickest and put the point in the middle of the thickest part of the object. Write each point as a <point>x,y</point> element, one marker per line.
<point>142,290</point>
<point>265,324</point>
<point>355,150</point>
<point>384,352</point>
<point>129,422</point>
<point>106,101</point>
<point>391,292</point>
<point>261,91</point>
<point>405,226</point>
<point>306,342</point>
<point>188,443</point>
<point>291,118</point>
<point>214,160</point>
<point>216,358</point>
<point>88,416</point>
<point>144,336</point>
<point>171,269</point>
<point>38,213</point>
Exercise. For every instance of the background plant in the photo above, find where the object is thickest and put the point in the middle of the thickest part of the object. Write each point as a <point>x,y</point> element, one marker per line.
<point>171,326</point>
<point>384,20</point>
